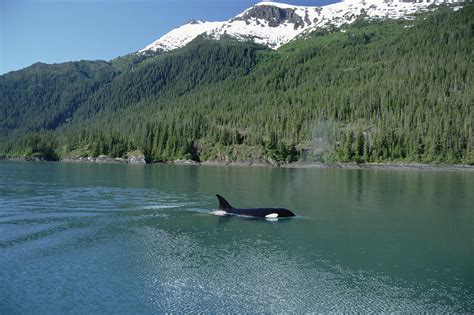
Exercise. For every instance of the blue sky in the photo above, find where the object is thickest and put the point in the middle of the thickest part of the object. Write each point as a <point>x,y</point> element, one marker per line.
<point>54,31</point>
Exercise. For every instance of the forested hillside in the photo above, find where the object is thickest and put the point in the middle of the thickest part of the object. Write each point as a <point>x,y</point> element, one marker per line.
<point>380,91</point>
<point>43,96</point>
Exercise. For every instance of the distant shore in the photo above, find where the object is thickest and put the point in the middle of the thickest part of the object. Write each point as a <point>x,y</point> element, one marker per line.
<point>264,163</point>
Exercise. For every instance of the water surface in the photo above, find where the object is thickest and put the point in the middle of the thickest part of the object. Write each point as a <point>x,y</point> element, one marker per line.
<point>130,238</point>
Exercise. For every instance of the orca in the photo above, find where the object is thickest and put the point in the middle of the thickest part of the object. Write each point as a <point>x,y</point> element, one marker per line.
<point>267,213</point>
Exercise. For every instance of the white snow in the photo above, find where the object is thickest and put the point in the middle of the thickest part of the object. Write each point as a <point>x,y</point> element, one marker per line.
<point>259,30</point>
<point>181,36</point>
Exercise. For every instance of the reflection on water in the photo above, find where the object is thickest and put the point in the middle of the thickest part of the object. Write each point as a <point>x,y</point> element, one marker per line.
<point>117,238</point>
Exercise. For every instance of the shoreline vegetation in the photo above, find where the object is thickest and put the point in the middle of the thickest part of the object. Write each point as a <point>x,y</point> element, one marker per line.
<point>258,163</point>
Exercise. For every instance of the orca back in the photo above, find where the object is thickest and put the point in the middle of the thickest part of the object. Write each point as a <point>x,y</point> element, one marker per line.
<point>263,212</point>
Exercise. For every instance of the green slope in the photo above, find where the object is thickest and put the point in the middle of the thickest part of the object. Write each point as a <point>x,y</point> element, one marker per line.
<point>44,96</point>
<point>379,91</point>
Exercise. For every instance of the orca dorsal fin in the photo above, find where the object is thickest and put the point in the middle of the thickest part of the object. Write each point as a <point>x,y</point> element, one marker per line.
<point>223,204</point>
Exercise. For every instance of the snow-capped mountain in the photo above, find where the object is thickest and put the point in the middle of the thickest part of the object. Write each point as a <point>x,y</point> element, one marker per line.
<point>274,24</point>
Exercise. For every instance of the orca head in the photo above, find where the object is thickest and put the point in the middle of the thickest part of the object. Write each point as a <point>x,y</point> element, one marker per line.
<point>285,213</point>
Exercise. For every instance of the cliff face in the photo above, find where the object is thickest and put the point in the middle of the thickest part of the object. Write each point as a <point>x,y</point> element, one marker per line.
<point>274,16</point>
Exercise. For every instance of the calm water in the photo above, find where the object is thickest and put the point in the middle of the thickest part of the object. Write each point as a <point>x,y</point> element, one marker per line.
<point>115,238</point>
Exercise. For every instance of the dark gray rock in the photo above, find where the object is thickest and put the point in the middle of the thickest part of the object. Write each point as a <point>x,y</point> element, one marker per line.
<point>273,15</point>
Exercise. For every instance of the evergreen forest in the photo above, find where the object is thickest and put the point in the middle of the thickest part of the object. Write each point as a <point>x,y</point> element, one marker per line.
<point>372,91</point>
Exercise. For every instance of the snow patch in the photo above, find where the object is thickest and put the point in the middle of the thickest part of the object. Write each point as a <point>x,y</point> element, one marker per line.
<point>181,36</point>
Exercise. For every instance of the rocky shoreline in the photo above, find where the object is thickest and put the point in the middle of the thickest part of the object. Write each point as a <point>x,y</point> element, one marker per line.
<point>99,159</point>
<point>105,159</point>
<point>258,163</point>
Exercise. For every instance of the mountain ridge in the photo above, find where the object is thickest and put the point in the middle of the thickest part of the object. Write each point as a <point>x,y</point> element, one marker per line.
<point>274,24</point>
